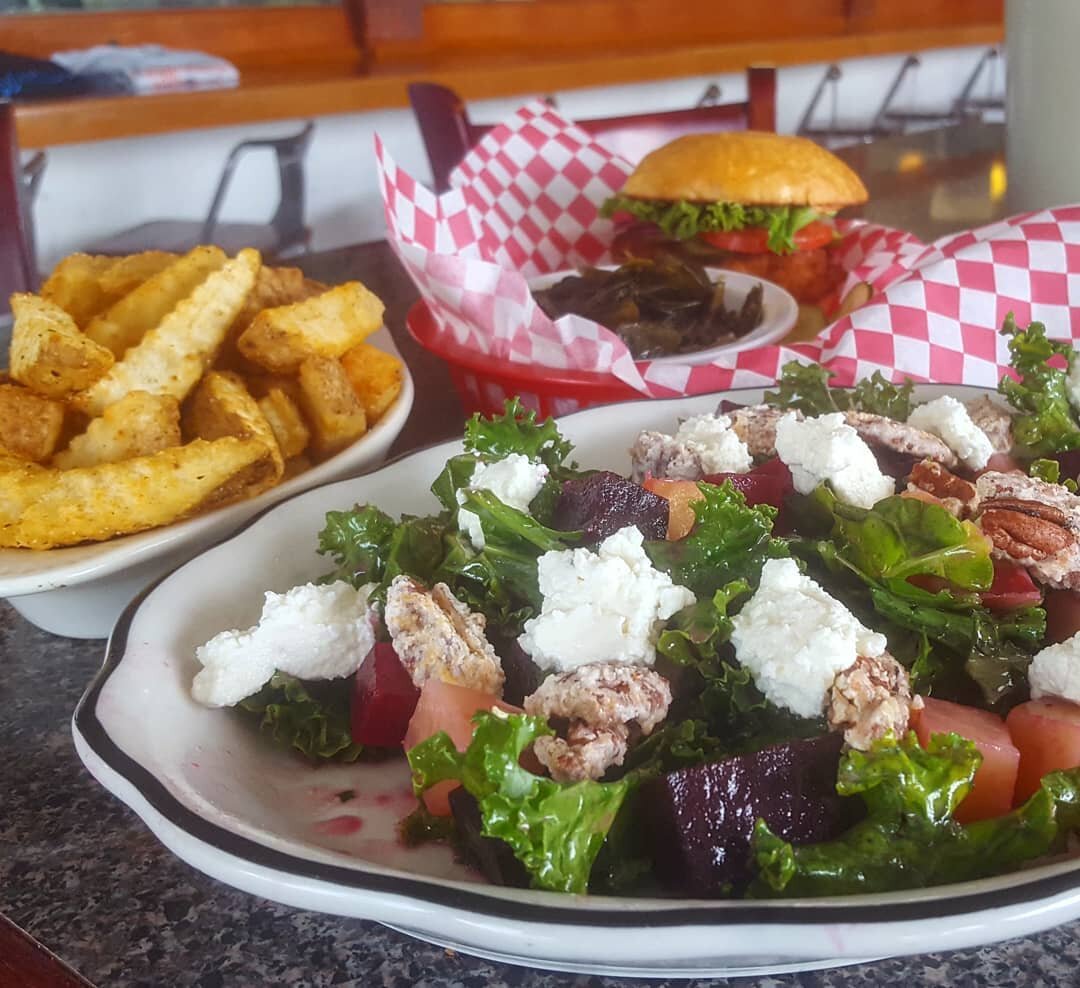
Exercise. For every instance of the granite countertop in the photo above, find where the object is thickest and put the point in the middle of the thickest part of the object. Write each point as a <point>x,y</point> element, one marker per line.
<point>85,876</point>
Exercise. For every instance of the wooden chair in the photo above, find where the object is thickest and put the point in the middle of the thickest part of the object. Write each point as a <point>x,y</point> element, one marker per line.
<point>17,267</point>
<point>284,235</point>
<point>448,133</point>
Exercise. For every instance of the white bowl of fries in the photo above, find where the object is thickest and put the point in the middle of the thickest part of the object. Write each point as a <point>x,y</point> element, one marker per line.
<point>153,403</point>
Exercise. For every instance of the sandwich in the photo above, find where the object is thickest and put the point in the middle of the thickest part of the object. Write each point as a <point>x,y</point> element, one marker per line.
<point>749,201</point>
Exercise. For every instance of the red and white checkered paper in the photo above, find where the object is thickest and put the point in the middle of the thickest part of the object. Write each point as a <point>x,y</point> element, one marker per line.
<point>524,202</point>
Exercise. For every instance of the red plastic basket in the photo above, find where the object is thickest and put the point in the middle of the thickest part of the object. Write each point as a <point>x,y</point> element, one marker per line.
<point>484,383</point>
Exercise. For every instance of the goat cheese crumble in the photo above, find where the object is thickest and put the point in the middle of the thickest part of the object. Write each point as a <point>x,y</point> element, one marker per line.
<point>515,480</point>
<point>950,421</point>
<point>1055,671</point>
<point>827,448</point>
<point>715,443</point>
<point>311,632</point>
<point>794,638</point>
<point>602,606</point>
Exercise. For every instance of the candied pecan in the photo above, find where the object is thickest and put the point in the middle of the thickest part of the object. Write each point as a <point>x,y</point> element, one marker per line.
<point>1023,536</point>
<point>956,494</point>
<point>601,702</point>
<point>870,699</point>
<point>437,637</point>
<point>899,437</point>
<point>995,420</point>
<point>755,425</point>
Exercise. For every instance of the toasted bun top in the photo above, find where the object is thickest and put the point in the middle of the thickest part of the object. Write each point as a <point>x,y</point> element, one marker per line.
<point>751,167</point>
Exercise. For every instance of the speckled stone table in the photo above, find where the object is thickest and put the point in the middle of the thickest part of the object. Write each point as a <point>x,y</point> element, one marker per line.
<point>80,872</point>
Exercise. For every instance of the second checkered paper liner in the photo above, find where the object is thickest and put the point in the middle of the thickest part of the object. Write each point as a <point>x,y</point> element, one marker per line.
<point>525,202</point>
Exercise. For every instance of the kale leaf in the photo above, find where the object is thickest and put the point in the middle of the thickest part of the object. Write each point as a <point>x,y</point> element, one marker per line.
<point>517,431</point>
<point>805,387</point>
<point>1046,423</point>
<point>312,717</point>
<point>909,838</point>
<point>554,829</point>
<point>358,541</point>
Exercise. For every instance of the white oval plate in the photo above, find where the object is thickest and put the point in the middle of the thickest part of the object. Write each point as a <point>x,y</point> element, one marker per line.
<point>226,800</point>
<point>80,591</point>
<point>781,312</point>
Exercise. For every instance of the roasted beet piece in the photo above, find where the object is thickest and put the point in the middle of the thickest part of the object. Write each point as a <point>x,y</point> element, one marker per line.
<point>698,821</point>
<point>383,699</point>
<point>523,676</point>
<point>490,855</point>
<point>767,483</point>
<point>602,503</point>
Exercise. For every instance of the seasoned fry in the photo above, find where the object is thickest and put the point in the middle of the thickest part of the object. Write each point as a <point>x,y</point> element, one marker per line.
<point>298,464</point>
<point>324,326</point>
<point>124,324</point>
<point>221,406</point>
<point>139,424</point>
<point>332,409</point>
<point>10,460</point>
<point>49,353</point>
<point>171,358</point>
<point>291,432</point>
<point>375,376</point>
<point>127,273</point>
<point>30,425</point>
<point>75,286</point>
<point>44,508</point>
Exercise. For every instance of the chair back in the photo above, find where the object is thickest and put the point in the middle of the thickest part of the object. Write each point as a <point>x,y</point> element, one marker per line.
<point>16,263</point>
<point>448,133</point>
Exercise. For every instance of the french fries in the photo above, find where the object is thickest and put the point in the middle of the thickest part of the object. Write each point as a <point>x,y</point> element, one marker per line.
<point>139,424</point>
<point>30,425</point>
<point>124,324</point>
<point>324,326</point>
<point>130,404</point>
<point>49,353</point>
<point>171,358</point>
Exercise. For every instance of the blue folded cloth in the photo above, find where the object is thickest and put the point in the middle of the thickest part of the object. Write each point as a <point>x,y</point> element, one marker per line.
<point>23,77</point>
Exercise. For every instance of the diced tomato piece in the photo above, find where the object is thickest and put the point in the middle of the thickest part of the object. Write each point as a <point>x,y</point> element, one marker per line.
<point>1012,587</point>
<point>680,495</point>
<point>992,788</point>
<point>755,239</point>
<point>1047,732</point>
<point>383,699</point>
<point>1062,614</point>
<point>447,707</point>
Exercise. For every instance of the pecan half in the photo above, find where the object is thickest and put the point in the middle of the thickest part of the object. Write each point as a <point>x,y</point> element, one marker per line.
<point>437,637</point>
<point>956,494</point>
<point>755,425</point>
<point>899,437</point>
<point>1023,536</point>
<point>870,699</point>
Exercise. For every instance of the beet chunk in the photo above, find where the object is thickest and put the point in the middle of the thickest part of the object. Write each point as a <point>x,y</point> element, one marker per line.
<point>698,821</point>
<point>383,699</point>
<point>602,503</point>
<point>489,855</point>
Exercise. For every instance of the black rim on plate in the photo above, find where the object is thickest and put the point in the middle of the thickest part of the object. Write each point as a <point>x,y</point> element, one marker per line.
<point>851,910</point>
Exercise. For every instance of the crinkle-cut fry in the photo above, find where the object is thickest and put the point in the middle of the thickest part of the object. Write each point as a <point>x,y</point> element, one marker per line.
<point>131,270</point>
<point>126,322</point>
<point>30,425</point>
<point>330,405</point>
<point>171,358</point>
<point>376,378</point>
<point>43,508</point>
<point>323,326</point>
<point>222,406</point>
<point>75,286</point>
<point>49,353</point>
<point>290,430</point>
<point>139,424</point>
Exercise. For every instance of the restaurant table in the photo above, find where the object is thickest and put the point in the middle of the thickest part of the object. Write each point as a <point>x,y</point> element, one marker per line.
<point>82,876</point>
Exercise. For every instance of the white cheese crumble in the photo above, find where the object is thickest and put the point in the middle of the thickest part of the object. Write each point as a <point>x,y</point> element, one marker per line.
<point>827,448</point>
<point>1055,671</point>
<point>515,480</point>
<point>794,638</point>
<point>716,445</point>
<point>602,606</point>
<point>950,421</point>
<point>311,632</point>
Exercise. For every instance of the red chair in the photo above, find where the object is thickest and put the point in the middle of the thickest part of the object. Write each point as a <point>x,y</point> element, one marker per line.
<point>448,132</point>
<point>17,268</point>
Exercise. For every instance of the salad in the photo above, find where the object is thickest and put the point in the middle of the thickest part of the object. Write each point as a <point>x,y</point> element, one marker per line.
<point>822,645</point>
